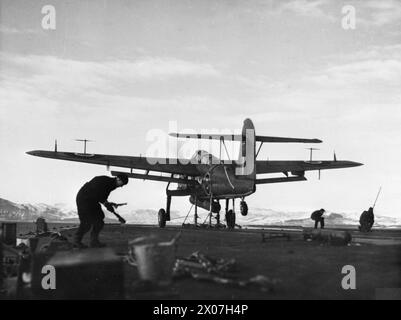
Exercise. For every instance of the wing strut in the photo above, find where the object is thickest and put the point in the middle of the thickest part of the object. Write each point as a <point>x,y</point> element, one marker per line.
<point>260,147</point>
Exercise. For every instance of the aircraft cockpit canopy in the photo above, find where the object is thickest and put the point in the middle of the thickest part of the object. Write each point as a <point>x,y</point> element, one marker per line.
<point>204,157</point>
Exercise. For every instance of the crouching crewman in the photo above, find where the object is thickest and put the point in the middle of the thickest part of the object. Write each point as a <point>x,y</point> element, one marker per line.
<point>317,216</point>
<point>91,215</point>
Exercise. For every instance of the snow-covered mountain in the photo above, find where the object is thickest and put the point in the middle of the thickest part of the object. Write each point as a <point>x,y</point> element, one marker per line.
<point>260,216</point>
<point>257,216</point>
<point>14,211</point>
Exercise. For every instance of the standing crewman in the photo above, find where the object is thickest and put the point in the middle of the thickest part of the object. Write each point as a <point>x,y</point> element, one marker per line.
<point>91,215</point>
<point>367,220</point>
<point>317,216</point>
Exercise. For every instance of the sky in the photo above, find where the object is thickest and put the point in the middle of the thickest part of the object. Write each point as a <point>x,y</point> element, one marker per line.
<point>117,72</point>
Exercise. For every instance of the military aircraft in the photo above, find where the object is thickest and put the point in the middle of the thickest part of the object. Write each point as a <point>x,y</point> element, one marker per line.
<point>207,179</point>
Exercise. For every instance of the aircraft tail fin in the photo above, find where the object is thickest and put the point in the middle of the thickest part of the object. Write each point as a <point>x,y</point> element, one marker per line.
<point>247,157</point>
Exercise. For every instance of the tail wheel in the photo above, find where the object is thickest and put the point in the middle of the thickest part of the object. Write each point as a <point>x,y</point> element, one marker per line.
<point>243,208</point>
<point>230,219</point>
<point>162,218</point>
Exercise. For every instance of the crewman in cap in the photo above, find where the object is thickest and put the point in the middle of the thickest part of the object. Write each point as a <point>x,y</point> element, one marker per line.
<point>317,216</point>
<point>91,215</point>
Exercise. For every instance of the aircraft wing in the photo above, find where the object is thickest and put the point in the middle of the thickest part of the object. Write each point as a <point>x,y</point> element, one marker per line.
<point>169,165</point>
<point>298,167</point>
<point>238,137</point>
<point>212,136</point>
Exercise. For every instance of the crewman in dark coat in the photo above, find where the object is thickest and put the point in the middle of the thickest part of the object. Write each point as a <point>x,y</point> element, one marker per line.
<point>367,220</point>
<point>89,198</point>
<point>317,216</point>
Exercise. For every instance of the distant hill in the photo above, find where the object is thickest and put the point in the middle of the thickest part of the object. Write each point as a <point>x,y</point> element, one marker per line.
<point>14,211</point>
<point>256,216</point>
<point>260,216</point>
<point>60,213</point>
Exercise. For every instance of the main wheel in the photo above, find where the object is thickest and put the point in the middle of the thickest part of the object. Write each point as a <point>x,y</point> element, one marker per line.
<point>230,219</point>
<point>243,208</point>
<point>162,218</point>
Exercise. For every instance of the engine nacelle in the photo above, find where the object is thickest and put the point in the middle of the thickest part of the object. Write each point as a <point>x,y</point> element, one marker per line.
<point>221,180</point>
<point>217,182</point>
<point>205,204</point>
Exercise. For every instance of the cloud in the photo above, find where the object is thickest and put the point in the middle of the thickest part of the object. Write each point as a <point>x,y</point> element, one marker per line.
<point>354,88</point>
<point>14,31</point>
<point>308,8</point>
<point>144,68</point>
<point>378,66</point>
<point>161,68</point>
<point>375,13</point>
<point>50,81</point>
<point>69,89</point>
<point>379,12</point>
<point>385,12</point>
<point>375,52</point>
<point>387,72</point>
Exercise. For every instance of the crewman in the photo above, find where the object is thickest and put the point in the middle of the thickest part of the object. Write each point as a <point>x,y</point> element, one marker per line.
<point>41,225</point>
<point>317,216</point>
<point>366,220</point>
<point>89,198</point>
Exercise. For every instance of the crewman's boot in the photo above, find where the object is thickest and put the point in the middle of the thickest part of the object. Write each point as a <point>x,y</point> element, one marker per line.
<point>78,240</point>
<point>94,242</point>
<point>97,227</point>
<point>97,244</point>
<point>83,228</point>
<point>80,245</point>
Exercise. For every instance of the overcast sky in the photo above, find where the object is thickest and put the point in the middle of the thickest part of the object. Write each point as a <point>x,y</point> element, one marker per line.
<point>112,71</point>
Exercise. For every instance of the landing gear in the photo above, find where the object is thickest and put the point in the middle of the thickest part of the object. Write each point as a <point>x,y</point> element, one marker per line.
<point>211,204</point>
<point>230,219</point>
<point>243,208</point>
<point>164,215</point>
<point>162,218</point>
<point>230,215</point>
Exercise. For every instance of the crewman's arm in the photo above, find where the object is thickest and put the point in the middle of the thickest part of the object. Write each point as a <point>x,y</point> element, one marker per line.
<point>109,205</point>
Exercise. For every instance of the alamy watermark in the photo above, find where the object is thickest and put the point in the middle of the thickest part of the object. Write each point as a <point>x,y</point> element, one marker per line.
<point>190,147</point>
<point>348,22</point>
<point>348,282</point>
<point>49,18</point>
<point>49,278</point>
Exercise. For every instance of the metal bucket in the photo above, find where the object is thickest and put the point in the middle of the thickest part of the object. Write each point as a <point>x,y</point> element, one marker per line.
<point>155,260</point>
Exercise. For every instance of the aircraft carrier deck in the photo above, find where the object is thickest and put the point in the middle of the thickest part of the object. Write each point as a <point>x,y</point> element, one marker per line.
<point>302,269</point>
